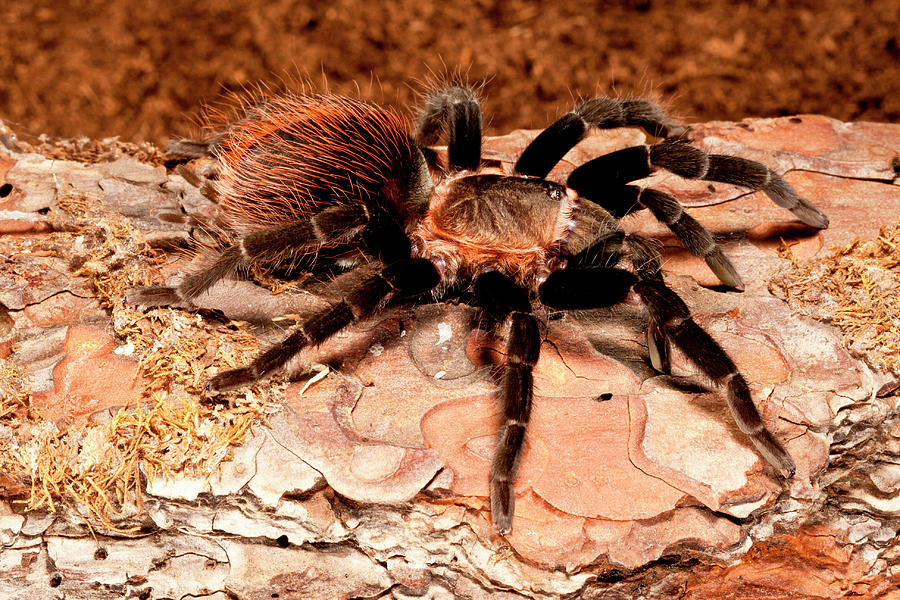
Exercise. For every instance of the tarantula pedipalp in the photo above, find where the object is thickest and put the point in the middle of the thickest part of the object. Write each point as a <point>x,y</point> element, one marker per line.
<point>320,180</point>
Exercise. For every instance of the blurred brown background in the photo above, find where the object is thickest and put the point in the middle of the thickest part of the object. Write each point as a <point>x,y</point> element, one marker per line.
<point>140,70</point>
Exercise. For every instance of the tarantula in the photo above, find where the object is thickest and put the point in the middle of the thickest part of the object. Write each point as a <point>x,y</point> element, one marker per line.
<point>316,180</point>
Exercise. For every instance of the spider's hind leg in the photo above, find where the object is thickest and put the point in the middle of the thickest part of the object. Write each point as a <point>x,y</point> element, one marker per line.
<point>453,110</point>
<point>277,244</point>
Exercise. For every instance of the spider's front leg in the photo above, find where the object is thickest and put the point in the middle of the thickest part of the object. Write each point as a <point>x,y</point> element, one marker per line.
<point>674,319</point>
<point>502,299</point>
<point>551,145</point>
<point>607,175</point>
<point>595,287</point>
<point>605,180</point>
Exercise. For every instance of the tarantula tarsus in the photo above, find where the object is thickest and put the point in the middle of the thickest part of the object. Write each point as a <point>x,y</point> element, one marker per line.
<point>320,180</point>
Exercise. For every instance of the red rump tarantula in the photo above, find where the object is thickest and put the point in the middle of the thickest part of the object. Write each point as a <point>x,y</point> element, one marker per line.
<point>319,180</point>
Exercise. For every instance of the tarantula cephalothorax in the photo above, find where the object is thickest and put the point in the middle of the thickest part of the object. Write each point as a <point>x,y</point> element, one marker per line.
<point>321,180</point>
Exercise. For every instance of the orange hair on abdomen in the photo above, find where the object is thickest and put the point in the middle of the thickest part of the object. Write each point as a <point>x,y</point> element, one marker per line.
<point>292,155</point>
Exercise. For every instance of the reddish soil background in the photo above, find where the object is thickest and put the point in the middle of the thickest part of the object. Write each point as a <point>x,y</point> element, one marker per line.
<point>141,70</point>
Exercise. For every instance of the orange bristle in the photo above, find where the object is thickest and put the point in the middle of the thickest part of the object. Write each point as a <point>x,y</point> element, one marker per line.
<point>293,155</point>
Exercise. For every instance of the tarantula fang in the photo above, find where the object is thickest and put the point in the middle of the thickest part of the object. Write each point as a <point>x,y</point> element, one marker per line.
<point>319,181</point>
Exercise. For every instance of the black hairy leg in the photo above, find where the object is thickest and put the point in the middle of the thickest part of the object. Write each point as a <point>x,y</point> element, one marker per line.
<point>607,245</point>
<point>273,245</point>
<point>670,322</point>
<point>694,236</point>
<point>647,265</point>
<point>603,243</point>
<point>453,110</point>
<point>502,300</point>
<point>677,156</point>
<point>604,180</point>
<point>548,148</point>
<point>586,288</point>
<point>403,279</point>
<point>674,321</point>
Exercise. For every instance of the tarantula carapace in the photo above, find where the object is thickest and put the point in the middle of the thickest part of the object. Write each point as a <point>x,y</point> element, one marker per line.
<point>323,180</point>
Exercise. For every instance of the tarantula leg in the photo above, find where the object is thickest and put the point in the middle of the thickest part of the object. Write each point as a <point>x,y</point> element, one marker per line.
<point>692,234</point>
<point>624,199</point>
<point>585,288</point>
<point>274,244</point>
<point>597,240</point>
<point>659,347</point>
<point>604,180</point>
<point>756,176</point>
<point>385,238</point>
<point>595,178</point>
<point>456,110</point>
<point>605,252</point>
<point>406,278</point>
<point>694,163</point>
<point>647,265</point>
<point>645,258</point>
<point>551,145</point>
<point>187,149</point>
<point>503,299</point>
<point>606,249</point>
<point>672,316</point>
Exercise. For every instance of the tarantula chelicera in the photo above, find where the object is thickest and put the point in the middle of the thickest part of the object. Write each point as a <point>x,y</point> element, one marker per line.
<point>316,180</point>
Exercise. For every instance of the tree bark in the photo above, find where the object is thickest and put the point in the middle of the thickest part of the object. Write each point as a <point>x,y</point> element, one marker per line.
<point>368,477</point>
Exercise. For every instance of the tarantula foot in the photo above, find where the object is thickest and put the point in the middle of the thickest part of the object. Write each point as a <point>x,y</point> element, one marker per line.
<point>811,215</point>
<point>724,270</point>
<point>229,380</point>
<point>774,453</point>
<point>784,195</point>
<point>153,296</point>
<point>660,348</point>
<point>502,505</point>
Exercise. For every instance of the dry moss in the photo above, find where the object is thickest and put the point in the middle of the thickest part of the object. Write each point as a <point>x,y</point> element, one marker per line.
<point>856,288</point>
<point>97,468</point>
